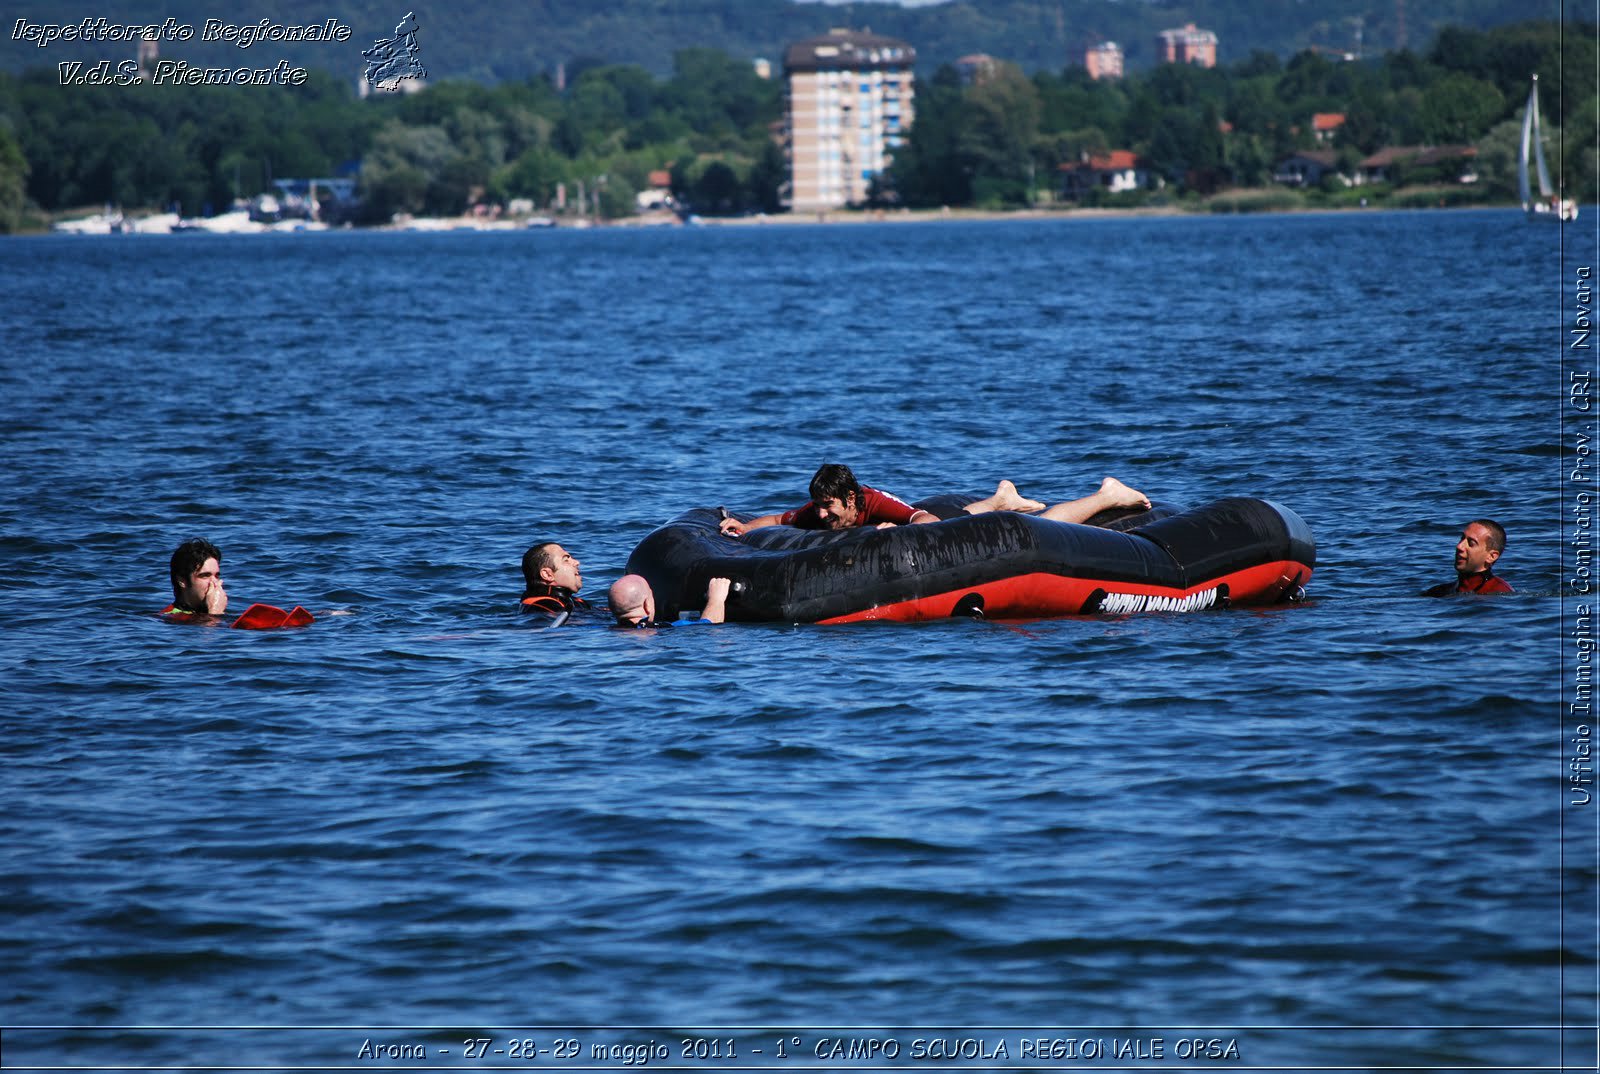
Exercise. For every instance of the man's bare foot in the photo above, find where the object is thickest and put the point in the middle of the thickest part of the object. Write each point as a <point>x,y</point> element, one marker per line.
<point>1007,498</point>
<point>1121,495</point>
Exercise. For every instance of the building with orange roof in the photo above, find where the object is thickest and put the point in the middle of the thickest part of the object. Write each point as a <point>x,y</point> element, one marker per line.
<point>1187,44</point>
<point>1115,172</point>
<point>1325,124</point>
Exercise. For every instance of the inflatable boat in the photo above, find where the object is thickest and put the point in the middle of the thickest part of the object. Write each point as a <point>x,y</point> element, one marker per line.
<point>1000,565</point>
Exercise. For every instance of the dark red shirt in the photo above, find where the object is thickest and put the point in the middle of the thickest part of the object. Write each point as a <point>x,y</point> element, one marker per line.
<point>1484,583</point>
<point>875,507</point>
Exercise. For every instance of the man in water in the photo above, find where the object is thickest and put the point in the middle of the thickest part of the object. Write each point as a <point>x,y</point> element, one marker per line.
<point>839,502</point>
<point>634,604</point>
<point>551,580</point>
<point>1478,550</point>
<point>197,591</point>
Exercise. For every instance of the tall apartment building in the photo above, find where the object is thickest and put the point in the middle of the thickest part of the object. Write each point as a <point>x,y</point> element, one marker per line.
<point>1104,60</point>
<point>1187,45</point>
<point>850,105</point>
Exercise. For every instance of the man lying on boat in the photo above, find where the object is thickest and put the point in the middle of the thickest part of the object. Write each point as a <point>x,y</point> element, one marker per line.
<point>839,501</point>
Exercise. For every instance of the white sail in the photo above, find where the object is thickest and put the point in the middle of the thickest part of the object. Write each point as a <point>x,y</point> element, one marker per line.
<point>1545,189</point>
<point>1527,136</point>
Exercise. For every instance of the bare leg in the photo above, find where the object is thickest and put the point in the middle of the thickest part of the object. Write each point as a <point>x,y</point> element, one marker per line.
<point>1005,498</point>
<point>1112,493</point>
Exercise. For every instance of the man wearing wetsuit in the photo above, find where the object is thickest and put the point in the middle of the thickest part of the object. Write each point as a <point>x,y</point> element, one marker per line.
<point>634,604</point>
<point>551,581</point>
<point>1479,548</point>
<point>839,502</point>
<point>198,595</point>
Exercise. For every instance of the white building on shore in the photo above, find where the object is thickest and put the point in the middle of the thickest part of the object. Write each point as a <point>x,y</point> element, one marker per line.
<point>850,99</point>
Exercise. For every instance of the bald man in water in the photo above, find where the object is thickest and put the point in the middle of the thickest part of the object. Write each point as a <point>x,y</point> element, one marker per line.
<point>634,604</point>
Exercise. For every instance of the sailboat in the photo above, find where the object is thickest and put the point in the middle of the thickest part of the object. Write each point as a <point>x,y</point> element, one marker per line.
<point>1549,206</point>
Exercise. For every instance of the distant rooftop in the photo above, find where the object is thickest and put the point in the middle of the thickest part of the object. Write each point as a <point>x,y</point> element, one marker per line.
<point>1188,34</point>
<point>853,50</point>
<point>1115,160</point>
<point>1419,154</point>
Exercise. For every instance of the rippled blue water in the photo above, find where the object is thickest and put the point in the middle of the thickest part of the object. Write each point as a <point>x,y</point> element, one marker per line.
<point>1347,813</point>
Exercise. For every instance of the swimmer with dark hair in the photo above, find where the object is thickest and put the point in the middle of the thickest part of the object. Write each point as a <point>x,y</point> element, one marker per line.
<point>198,594</point>
<point>551,578</point>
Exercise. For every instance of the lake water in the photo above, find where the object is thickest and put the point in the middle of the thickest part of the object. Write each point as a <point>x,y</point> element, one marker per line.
<point>1336,834</point>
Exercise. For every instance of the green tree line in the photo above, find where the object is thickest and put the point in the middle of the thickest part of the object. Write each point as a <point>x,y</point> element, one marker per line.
<point>998,141</point>
<point>437,152</point>
<point>711,124</point>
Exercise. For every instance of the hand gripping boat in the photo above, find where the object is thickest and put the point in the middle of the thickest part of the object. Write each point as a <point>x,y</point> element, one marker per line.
<point>1000,565</point>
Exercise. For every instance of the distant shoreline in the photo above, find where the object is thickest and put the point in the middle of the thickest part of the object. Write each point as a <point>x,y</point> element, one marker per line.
<point>849,217</point>
<point>933,216</point>
<point>1250,204</point>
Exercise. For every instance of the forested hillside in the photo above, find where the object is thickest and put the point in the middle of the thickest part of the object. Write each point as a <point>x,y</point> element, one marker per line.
<point>492,42</point>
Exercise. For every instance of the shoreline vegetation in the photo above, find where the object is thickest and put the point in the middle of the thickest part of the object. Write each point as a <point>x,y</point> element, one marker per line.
<point>607,141</point>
